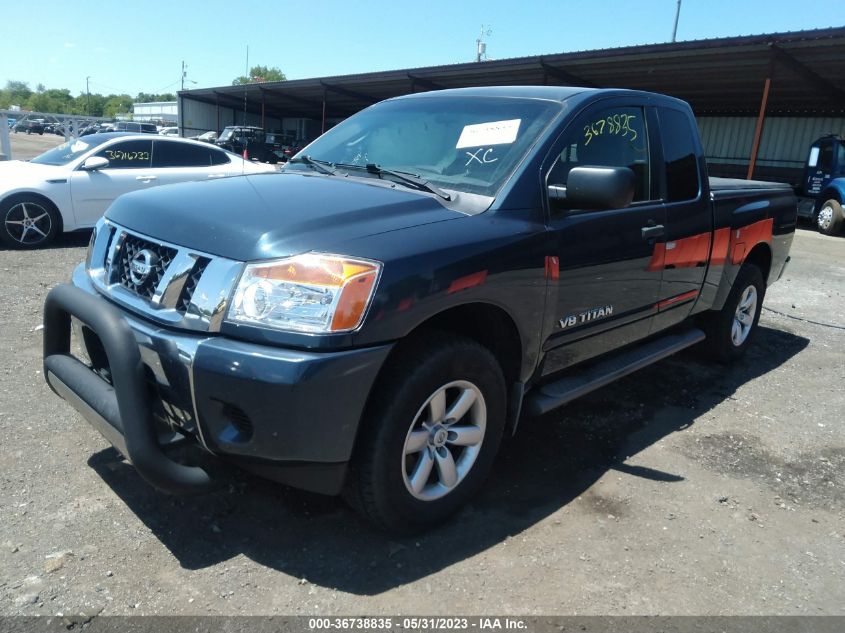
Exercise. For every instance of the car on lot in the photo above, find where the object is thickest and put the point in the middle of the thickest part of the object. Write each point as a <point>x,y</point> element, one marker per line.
<point>30,126</point>
<point>169,131</point>
<point>70,186</point>
<point>252,142</point>
<point>206,137</point>
<point>135,126</point>
<point>373,320</point>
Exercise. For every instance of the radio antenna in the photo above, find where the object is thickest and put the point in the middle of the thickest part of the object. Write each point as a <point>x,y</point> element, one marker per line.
<point>481,45</point>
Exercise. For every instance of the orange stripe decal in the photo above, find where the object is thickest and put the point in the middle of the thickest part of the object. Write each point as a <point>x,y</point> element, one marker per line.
<point>686,296</point>
<point>748,237</point>
<point>467,282</point>
<point>552,267</point>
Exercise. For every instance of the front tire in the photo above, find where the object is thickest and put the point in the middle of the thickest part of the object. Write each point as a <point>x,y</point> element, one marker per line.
<point>731,330</point>
<point>430,433</point>
<point>829,218</point>
<point>28,222</point>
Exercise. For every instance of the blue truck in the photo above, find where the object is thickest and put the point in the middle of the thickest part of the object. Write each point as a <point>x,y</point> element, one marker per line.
<point>374,319</point>
<point>823,189</point>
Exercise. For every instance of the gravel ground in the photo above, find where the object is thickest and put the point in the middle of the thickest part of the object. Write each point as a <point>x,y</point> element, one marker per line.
<point>687,488</point>
<point>26,146</point>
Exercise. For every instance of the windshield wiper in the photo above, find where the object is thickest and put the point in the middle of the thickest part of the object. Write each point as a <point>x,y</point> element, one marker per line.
<point>323,166</point>
<point>404,176</point>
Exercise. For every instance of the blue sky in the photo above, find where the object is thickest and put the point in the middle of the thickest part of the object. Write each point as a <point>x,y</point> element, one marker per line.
<point>129,47</point>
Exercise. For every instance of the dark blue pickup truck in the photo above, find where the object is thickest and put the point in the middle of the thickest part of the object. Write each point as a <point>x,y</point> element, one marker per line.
<point>377,317</point>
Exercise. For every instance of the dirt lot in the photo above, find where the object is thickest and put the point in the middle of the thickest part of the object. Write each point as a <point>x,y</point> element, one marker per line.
<point>686,489</point>
<point>26,146</point>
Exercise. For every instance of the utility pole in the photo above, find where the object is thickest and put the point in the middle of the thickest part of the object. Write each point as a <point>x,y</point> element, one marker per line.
<point>88,97</point>
<point>184,72</point>
<point>677,15</point>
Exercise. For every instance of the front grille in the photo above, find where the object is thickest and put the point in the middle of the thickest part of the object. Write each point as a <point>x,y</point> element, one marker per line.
<point>177,285</point>
<point>191,284</point>
<point>161,258</point>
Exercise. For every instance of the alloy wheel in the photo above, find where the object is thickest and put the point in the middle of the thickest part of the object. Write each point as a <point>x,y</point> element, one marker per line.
<point>444,440</point>
<point>28,223</point>
<point>744,316</point>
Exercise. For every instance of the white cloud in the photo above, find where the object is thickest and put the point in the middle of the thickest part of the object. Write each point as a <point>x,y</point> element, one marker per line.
<point>70,45</point>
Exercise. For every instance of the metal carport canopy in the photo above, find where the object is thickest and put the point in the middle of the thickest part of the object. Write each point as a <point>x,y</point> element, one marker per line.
<point>723,76</point>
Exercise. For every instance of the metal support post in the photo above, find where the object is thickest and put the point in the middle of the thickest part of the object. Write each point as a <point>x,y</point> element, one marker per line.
<point>758,131</point>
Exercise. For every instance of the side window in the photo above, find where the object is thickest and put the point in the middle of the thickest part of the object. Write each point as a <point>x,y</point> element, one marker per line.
<point>610,137</point>
<point>175,154</point>
<point>219,158</point>
<point>826,157</point>
<point>679,156</point>
<point>128,154</point>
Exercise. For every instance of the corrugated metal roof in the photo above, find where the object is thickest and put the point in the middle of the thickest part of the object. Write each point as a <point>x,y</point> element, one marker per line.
<point>717,76</point>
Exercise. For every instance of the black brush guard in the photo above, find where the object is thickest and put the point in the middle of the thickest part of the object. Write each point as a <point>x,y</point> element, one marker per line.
<point>122,412</point>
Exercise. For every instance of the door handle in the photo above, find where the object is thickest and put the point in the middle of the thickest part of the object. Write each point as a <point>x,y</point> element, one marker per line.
<point>652,231</point>
<point>145,178</point>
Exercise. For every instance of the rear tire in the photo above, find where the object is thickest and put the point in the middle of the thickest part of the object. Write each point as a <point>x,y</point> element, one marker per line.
<point>731,330</point>
<point>28,222</point>
<point>429,434</point>
<point>829,218</point>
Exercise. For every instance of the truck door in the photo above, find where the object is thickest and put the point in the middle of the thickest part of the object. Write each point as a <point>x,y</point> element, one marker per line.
<point>825,162</point>
<point>604,280</point>
<point>689,221</point>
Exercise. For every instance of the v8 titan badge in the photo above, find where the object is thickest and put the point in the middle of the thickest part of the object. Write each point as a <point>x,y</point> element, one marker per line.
<point>585,317</point>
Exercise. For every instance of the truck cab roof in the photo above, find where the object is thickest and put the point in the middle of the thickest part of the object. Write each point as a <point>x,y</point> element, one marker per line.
<point>547,93</point>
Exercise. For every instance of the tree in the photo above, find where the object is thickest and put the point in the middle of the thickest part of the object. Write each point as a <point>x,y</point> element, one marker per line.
<point>260,74</point>
<point>148,97</point>
<point>18,91</point>
<point>117,104</point>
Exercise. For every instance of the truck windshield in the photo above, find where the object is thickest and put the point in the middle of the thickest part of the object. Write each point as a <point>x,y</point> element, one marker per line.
<point>469,144</point>
<point>226,134</point>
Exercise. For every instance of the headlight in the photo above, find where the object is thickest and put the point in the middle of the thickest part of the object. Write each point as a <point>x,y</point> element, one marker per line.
<point>90,250</point>
<point>306,293</point>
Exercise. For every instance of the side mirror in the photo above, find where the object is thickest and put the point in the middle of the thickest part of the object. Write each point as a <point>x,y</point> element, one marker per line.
<point>93,163</point>
<point>595,188</point>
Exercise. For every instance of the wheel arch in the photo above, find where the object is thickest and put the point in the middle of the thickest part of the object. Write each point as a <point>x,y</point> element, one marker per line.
<point>834,190</point>
<point>760,255</point>
<point>489,325</point>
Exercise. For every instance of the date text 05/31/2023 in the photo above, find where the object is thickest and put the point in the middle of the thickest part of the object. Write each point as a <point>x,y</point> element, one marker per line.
<point>417,623</point>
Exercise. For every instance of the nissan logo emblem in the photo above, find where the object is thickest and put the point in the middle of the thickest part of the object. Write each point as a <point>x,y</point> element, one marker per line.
<point>141,265</point>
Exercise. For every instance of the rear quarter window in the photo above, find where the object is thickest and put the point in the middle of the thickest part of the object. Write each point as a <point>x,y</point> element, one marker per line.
<point>176,154</point>
<point>219,158</point>
<point>679,154</point>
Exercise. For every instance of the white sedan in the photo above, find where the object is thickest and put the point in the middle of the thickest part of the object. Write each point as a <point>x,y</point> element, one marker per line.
<point>70,186</point>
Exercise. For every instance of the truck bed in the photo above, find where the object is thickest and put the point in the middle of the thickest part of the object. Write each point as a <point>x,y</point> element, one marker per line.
<point>732,185</point>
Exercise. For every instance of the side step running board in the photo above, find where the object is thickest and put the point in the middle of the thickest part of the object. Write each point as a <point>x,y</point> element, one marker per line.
<point>558,393</point>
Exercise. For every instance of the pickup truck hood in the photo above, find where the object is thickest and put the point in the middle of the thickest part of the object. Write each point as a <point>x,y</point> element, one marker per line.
<point>264,216</point>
